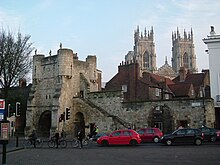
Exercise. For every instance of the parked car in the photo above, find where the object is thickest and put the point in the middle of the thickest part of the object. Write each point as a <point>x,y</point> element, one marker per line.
<point>120,137</point>
<point>218,135</point>
<point>185,135</point>
<point>150,134</point>
<point>98,135</point>
<point>209,133</point>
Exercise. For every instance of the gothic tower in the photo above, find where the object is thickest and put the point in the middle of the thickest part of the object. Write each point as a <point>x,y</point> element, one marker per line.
<point>144,51</point>
<point>183,54</point>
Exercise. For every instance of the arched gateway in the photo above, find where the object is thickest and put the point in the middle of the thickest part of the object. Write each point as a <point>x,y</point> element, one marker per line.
<point>161,117</point>
<point>79,123</point>
<point>44,124</point>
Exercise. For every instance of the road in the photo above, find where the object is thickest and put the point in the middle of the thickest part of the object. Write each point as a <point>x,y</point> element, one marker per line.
<point>148,153</point>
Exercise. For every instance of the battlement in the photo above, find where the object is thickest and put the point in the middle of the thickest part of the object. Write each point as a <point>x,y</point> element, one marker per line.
<point>148,35</point>
<point>186,37</point>
<point>105,94</point>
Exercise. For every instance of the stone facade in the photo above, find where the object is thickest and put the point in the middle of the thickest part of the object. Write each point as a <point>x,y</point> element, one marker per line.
<point>144,51</point>
<point>183,53</point>
<point>56,80</point>
<point>165,114</point>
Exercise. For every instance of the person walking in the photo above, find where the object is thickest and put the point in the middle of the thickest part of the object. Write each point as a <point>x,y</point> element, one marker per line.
<point>57,137</point>
<point>63,134</point>
<point>80,137</point>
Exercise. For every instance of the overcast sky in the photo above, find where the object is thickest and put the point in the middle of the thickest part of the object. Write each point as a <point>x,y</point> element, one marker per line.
<point>105,28</point>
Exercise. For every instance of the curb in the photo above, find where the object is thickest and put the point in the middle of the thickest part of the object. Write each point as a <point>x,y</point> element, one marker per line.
<point>12,149</point>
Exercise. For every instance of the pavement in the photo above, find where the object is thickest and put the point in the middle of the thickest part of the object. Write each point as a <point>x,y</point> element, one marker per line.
<point>13,145</point>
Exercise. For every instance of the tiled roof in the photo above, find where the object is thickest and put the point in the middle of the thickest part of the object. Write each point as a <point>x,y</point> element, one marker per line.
<point>180,89</point>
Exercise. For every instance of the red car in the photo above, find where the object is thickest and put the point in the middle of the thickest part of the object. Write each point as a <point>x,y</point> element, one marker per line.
<point>150,134</point>
<point>218,134</point>
<point>120,137</point>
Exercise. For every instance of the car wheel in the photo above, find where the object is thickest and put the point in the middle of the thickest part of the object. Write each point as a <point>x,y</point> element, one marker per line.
<point>213,139</point>
<point>169,142</point>
<point>104,143</point>
<point>156,139</point>
<point>133,143</point>
<point>198,142</point>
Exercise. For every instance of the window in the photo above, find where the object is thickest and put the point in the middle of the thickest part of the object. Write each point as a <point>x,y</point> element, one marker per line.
<point>124,88</point>
<point>127,133</point>
<point>180,132</point>
<point>116,133</point>
<point>193,92</point>
<point>150,131</point>
<point>166,96</point>
<point>157,92</point>
<point>189,132</point>
<point>141,132</point>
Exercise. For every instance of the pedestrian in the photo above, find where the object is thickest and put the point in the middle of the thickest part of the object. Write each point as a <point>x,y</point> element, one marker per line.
<point>57,137</point>
<point>63,134</point>
<point>33,138</point>
<point>80,137</point>
<point>95,131</point>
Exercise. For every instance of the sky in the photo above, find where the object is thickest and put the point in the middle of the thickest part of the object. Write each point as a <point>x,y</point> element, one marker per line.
<point>105,28</point>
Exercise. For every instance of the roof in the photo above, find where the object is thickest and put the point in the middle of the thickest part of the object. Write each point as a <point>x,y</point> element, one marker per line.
<point>180,89</point>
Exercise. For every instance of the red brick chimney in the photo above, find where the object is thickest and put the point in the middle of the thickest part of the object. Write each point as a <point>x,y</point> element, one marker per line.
<point>22,82</point>
<point>182,73</point>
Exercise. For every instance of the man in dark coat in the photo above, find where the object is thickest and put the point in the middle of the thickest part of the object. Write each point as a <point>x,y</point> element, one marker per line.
<point>80,137</point>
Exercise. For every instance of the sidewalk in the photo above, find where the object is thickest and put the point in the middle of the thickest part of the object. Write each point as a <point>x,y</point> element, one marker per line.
<point>11,146</point>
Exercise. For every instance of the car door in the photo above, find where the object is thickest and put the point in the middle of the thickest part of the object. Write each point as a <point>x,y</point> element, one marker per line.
<point>126,137</point>
<point>179,136</point>
<point>149,134</point>
<point>115,137</point>
<point>206,133</point>
<point>190,135</point>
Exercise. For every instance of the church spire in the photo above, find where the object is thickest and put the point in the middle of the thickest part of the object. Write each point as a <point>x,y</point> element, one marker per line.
<point>145,32</point>
<point>191,34</point>
<point>166,60</point>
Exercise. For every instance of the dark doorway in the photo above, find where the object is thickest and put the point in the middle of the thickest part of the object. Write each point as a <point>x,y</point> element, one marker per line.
<point>44,124</point>
<point>160,117</point>
<point>79,123</point>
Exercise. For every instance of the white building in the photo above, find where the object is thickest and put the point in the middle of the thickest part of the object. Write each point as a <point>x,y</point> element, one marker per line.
<point>213,44</point>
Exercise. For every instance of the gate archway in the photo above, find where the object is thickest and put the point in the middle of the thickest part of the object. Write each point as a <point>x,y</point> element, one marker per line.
<point>44,124</point>
<point>160,117</point>
<point>79,123</point>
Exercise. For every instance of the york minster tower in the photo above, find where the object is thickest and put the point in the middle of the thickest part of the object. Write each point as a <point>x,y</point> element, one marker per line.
<point>183,54</point>
<point>144,51</point>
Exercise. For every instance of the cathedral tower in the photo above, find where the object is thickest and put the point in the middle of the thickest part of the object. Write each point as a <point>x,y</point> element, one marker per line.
<point>183,54</point>
<point>144,50</point>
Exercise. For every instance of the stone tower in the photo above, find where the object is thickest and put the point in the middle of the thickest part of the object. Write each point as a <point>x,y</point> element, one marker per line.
<point>57,79</point>
<point>144,51</point>
<point>183,54</point>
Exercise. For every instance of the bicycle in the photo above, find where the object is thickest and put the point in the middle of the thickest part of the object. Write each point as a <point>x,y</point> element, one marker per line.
<point>52,143</point>
<point>28,143</point>
<point>76,143</point>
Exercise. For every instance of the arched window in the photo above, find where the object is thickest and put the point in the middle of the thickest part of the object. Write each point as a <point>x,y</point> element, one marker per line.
<point>186,60</point>
<point>146,60</point>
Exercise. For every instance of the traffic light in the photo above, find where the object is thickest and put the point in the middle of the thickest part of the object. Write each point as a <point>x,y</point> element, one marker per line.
<point>67,113</point>
<point>62,117</point>
<point>18,109</point>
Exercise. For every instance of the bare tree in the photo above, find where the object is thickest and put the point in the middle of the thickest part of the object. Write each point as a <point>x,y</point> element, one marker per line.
<point>15,61</point>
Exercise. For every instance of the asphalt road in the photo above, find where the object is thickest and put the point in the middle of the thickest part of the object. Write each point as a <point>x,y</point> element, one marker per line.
<point>145,154</point>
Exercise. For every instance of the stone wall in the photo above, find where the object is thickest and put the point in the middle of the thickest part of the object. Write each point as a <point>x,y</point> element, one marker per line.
<point>138,113</point>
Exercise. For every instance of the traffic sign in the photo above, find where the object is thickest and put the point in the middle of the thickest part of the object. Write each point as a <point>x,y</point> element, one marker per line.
<point>2,103</point>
